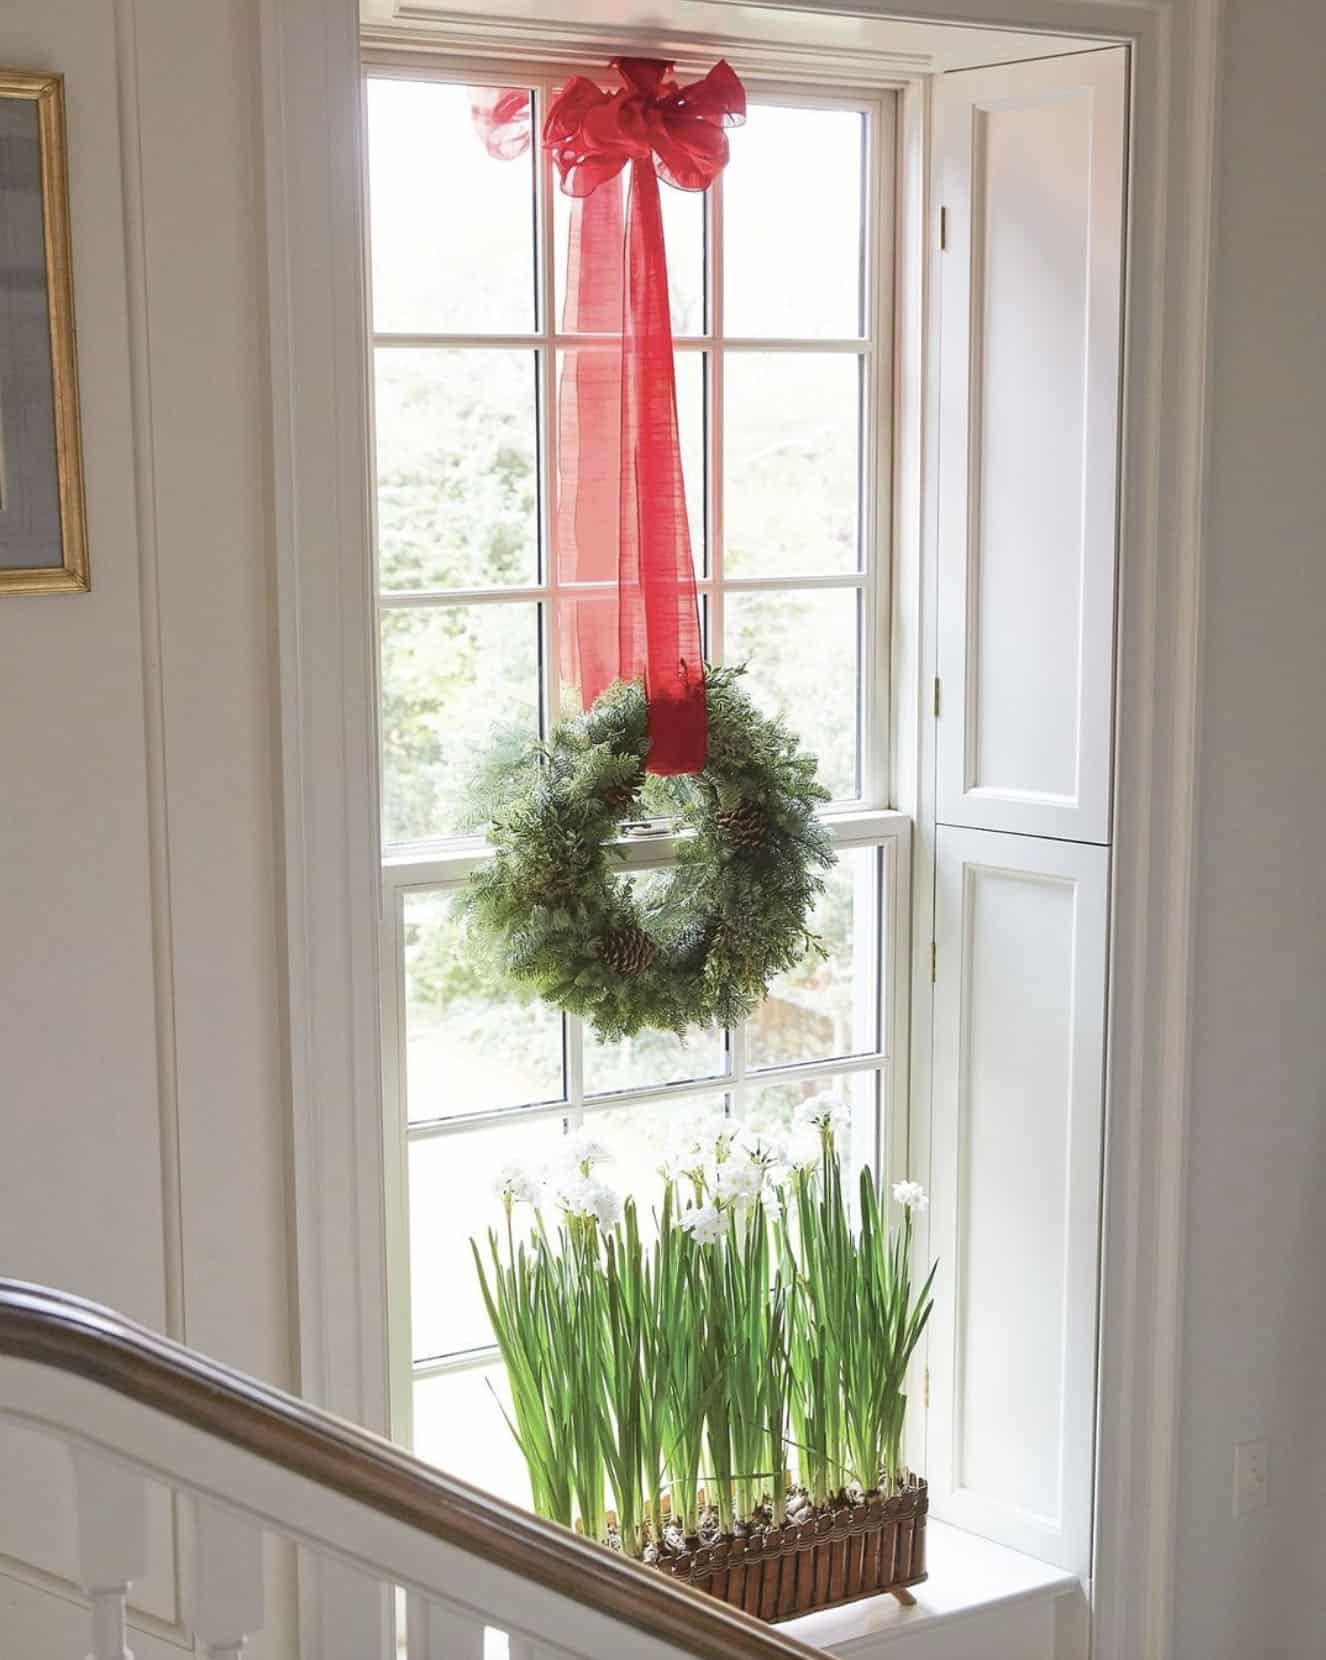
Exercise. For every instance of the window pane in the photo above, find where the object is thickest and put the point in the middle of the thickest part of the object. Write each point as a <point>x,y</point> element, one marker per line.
<point>794,274</point>
<point>828,1006</point>
<point>459,1427</point>
<point>453,677</point>
<point>683,240</point>
<point>471,1044</point>
<point>457,461</point>
<point>652,1058</point>
<point>803,647</point>
<point>690,431</point>
<point>774,1108</point>
<point>452,229</point>
<point>792,464</point>
<point>451,1201</point>
<point>690,376</point>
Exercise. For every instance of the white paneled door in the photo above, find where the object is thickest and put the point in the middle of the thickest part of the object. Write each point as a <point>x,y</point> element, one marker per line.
<point>1020,935</point>
<point>1031,178</point>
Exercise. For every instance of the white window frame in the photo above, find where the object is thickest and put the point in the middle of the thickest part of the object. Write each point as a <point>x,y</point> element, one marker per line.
<point>330,890</point>
<point>445,864</point>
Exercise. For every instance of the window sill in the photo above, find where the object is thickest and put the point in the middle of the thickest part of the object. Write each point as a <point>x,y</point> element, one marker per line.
<point>980,1600</point>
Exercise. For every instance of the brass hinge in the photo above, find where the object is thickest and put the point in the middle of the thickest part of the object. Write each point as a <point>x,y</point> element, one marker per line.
<point>936,698</point>
<point>934,960</point>
<point>927,1386</point>
<point>943,229</point>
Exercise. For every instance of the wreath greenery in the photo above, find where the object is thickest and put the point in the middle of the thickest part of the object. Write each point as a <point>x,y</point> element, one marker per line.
<point>733,911</point>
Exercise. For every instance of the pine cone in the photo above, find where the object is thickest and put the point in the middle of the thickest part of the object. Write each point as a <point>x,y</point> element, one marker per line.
<point>620,796</point>
<point>628,951</point>
<point>743,826</point>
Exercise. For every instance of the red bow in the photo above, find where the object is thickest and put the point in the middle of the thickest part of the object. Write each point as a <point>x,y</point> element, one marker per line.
<point>593,134</point>
<point>621,509</point>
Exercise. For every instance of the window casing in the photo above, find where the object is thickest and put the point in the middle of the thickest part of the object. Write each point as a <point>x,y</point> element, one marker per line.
<point>461,1092</point>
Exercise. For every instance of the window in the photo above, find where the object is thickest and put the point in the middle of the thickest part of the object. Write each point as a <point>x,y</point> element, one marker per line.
<point>783,352</point>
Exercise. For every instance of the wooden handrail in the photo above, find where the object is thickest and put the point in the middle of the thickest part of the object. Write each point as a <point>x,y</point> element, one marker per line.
<point>70,1334</point>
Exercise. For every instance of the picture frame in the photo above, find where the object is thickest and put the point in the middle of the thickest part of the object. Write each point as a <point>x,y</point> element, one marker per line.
<point>43,520</point>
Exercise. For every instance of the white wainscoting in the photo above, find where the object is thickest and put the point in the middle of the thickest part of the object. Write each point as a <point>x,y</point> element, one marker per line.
<point>1032,186</point>
<point>142,1119</point>
<point>1018,1091</point>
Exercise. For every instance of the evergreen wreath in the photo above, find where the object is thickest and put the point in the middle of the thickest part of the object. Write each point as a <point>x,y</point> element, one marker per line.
<point>734,909</point>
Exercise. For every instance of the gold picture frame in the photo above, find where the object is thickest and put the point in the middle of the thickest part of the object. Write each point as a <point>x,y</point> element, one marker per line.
<point>43,550</point>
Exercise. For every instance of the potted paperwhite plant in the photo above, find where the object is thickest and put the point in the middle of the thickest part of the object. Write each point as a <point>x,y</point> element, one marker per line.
<point>731,1372</point>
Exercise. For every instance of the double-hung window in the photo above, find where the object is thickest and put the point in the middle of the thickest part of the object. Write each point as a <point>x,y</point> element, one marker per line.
<point>783,337</point>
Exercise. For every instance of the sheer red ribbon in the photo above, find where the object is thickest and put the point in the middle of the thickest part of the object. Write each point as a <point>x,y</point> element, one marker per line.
<point>621,505</point>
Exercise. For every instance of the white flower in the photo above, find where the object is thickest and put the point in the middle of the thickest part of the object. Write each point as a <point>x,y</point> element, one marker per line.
<point>585,1196</point>
<point>737,1180</point>
<point>828,1114</point>
<point>605,1203</point>
<point>516,1183</point>
<point>806,1148</point>
<point>704,1224</point>
<point>766,1152</point>
<point>696,1140</point>
<point>910,1195</point>
<point>582,1151</point>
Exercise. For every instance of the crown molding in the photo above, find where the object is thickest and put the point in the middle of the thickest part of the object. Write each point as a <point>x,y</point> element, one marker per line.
<point>418,28</point>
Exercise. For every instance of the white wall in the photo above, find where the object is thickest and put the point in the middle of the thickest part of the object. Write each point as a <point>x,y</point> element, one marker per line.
<point>142,1118</point>
<point>1255,1318</point>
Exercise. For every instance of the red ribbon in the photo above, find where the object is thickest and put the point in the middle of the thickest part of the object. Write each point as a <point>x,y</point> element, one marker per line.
<point>621,505</point>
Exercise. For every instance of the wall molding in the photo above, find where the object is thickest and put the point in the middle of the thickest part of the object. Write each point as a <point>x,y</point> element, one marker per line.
<point>425,28</point>
<point>325,627</point>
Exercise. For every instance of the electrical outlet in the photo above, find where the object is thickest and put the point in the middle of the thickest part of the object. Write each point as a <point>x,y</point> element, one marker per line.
<point>1251,1476</point>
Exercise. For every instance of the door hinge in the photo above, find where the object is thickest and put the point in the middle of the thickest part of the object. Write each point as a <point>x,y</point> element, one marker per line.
<point>927,1386</point>
<point>934,961</point>
<point>943,229</point>
<point>936,697</point>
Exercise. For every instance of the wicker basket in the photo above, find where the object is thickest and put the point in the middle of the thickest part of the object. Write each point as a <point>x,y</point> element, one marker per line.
<point>860,1551</point>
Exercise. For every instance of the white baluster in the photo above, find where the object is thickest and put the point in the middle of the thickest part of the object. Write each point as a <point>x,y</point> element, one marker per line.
<point>353,1612</point>
<point>227,1602</point>
<point>521,1647</point>
<point>440,1631</point>
<point>112,1545</point>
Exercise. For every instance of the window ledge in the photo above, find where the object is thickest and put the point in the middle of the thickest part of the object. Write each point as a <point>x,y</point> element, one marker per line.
<point>980,1599</point>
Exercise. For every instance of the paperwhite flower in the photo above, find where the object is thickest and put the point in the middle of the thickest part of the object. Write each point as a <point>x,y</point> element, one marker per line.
<point>582,1150</point>
<point>910,1195</point>
<point>766,1152</point>
<point>806,1148</point>
<point>516,1183</point>
<point>586,1196</point>
<point>605,1203</point>
<point>697,1140</point>
<point>737,1180</point>
<point>828,1114</point>
<point>704,1224</point>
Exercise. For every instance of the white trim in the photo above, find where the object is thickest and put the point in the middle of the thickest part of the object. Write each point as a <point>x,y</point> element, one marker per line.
<point>311,55</point>
<point>310,74</point>
<point>424,28</point>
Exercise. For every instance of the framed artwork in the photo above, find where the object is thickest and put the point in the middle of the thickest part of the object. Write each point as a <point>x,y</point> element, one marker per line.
<point>43,529</point>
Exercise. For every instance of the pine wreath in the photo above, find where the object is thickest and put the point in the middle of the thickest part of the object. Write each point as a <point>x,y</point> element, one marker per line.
<point>734,909</point>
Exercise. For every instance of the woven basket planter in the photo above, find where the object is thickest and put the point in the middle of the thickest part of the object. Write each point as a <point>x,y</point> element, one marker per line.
<point>844,1554</point>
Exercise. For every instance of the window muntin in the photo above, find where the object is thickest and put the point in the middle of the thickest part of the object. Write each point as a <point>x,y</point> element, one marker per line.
<point>784,443</point>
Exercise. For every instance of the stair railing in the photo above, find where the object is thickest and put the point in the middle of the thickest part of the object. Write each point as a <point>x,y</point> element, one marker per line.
<point>378,1531</point>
